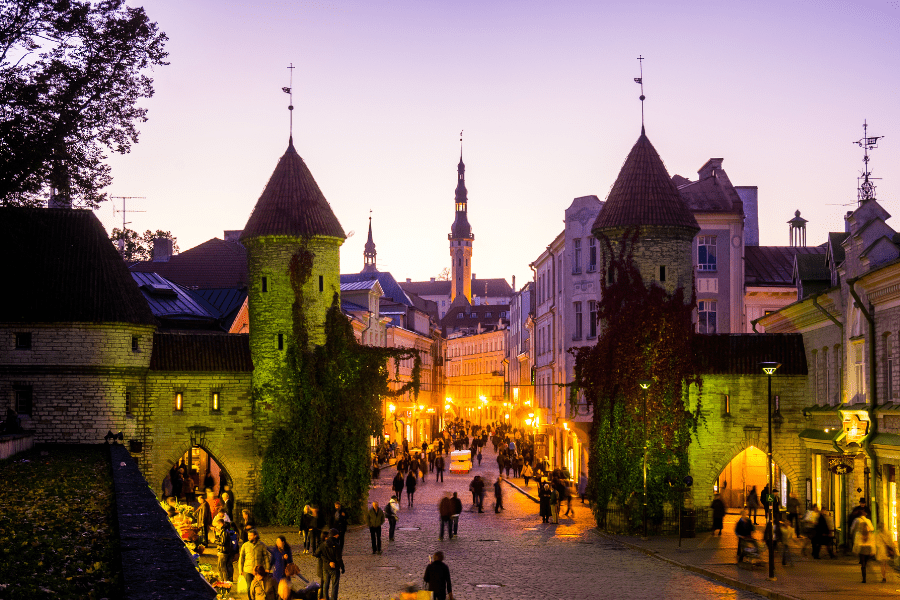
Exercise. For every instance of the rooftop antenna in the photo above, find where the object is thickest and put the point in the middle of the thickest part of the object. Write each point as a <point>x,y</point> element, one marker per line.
<point>123,211</point>
<point>290,92</point>
<point>640,80</point>
<point>866,189</point>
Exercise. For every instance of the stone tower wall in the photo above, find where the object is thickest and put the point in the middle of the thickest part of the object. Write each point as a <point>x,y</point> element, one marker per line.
<point>461,274</point>
<point>656,247</point>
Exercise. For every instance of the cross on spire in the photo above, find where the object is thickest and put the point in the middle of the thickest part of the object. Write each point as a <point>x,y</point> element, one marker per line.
<point>290,92</point>
<point>640,80</point>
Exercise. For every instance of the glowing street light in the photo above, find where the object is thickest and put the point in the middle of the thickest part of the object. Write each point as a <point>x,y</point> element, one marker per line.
<point>645,385</point>
<point>769,369</point>
<point>391,408</point>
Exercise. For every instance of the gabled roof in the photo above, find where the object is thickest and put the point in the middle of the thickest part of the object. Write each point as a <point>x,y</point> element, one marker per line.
<point>213,264</point>
<point>773,265</point>
<point>643,194</point>
<point>207,352</point>
<point>227,301</point>
<point>292,204</point>
<point>61,267</point>
<point>486,315</point>
<point>355,286</point>
<point>491,288</point>
<point>173,305</point>
<point>389,285</point>
<point>711,194</point>
<point>811,274</point>
<point>741,353</point>
<point>836,243</point>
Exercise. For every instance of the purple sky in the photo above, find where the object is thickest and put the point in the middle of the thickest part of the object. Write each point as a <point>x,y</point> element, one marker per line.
<point>545,94</point>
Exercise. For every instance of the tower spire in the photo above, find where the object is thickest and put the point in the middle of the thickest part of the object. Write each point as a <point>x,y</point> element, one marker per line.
<point>290,92</point>
<point>369,251</point>
<point>640,80</point>
<point>866,190</point>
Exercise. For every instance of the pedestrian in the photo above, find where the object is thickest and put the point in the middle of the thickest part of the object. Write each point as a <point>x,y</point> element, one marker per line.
<point>544,499</point>
<point>247,523</point>
<point>318,524</point>
<point>445,509</point>
<point>478,492</point>
<point>281,557</point>
<point>339,521</point>
<point>863,541</point>
<point>793,512</point>
<point>332,564</point>
<point>455,510</point>
<point>743,530</point>
<point>439,468</point>
<point>783,537</point>
<point>479,456</point>
<point>306,528</point>
<point>228,501</point>
<point>224,556</point>
<point>423,466</point>
<point>526,473</point>
<point>397,484</point>
<point>718,514</point>
<point>554,504</point>
<point>392,512</point>
<point>203,516</point>
<point>885,550</point>
<point>582,487</point>
<point>410,489</point>
<point>253,553</point>
<point>809,526</point>
<point>753,503</point>
<point>567,494</point>
<point>262,585</point>
<point>375,519</point>
<point>498,495</point>
<point>823,534</point>
<point>437,578</point>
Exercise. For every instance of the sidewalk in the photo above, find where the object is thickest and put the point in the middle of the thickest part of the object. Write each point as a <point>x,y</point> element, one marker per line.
<point>716,557</point>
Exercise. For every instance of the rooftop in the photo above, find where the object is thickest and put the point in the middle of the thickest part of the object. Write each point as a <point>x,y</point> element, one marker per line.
<point>214,264</point>
<point>773,266</point>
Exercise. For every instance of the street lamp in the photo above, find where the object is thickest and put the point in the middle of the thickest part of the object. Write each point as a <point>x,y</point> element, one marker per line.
<point>769,369</point>
<point>645,385</point>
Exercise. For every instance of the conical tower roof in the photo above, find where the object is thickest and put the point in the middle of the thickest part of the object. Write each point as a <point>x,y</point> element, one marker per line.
<point>644,194</point>
<point>292,204</point>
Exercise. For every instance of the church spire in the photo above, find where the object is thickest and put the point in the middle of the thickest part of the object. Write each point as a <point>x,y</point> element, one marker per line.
<point>369,251</point>
<point>461,238</point>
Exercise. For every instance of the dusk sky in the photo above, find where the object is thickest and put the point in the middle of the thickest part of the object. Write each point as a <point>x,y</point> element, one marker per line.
<point>545,94</point>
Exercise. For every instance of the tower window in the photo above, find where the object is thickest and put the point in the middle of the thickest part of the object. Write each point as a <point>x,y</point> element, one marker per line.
<point>23,341</point>
<point>706,253</point>
<point>321,283</point>
<point>265,284</point>
<point>662,273</point>
<point>281,341</point>
<point>458,262</point>
<point>135,343</point>
<point>179,401</point>
<point>129,402</point>
<point>215,402</point>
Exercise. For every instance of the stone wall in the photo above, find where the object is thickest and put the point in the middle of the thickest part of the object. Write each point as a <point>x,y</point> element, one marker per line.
<point>722,436</point>
<point>655,247</point>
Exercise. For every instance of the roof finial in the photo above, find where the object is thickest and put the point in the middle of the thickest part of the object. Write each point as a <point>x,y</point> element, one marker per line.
<point>866,190</point>
<point>460,144</point>
<point>290,92</point>
<point>640,80</point>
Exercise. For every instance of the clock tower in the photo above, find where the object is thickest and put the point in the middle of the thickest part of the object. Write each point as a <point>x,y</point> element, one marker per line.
<point>461,239</point>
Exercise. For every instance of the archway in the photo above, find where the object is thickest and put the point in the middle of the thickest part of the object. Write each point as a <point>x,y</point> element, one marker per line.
<point>746,471</point>
<point>201,470</point>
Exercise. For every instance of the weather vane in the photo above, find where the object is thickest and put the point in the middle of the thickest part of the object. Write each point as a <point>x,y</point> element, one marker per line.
<point>640,80</point>
<point>290,92</point>
<point>866,190</point>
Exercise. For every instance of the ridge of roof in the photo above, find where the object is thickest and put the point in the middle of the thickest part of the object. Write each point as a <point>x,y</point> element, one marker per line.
<point>292,204</point>
<point>644,194</point>
<point>774,265</point>
<point>65,269</point>
<point>213,264</point>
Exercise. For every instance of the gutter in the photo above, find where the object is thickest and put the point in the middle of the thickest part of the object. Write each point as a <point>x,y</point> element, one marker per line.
<point>873,423</point>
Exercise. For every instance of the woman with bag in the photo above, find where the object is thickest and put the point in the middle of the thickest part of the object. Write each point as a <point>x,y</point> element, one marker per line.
<point>885,550</point>
<point>863,542</point>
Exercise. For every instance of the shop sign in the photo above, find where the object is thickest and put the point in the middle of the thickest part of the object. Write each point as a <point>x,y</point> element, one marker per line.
<point>840,465</point>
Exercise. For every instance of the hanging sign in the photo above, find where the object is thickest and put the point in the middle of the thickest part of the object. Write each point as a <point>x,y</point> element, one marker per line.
<point>840,465</point>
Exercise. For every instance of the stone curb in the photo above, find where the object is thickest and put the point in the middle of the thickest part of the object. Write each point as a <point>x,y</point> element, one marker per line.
<point>735,583</point>
<point>521,491</point>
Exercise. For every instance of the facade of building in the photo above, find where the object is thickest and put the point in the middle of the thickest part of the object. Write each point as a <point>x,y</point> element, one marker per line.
<point>475,376</point>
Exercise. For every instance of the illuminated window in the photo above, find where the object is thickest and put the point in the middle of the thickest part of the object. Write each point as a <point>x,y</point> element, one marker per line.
<point>707,313</point>
<point>179,401</point>
<point>706,253</point>
<point>215,402</point>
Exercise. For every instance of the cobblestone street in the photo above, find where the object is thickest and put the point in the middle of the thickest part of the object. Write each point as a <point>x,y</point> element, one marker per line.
<point>510,555</point>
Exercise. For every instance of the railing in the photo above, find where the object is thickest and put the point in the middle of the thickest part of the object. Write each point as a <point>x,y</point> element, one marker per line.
<point>624,520</point>
<point>13,443</point>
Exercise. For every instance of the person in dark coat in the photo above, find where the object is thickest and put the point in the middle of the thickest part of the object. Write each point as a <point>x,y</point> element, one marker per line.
<point>439,468</point>
<point>281,557</point>
<point>374,520</point>
<point>397,484</point>
<point>247,523</point>
<point>437,577</point>
<point>410,488</point>
<point>338,520</point>
<point>718,514</point>
<point>445,509</point>
<point>743,530</point>
<point>455,510</point>
<point>823,535</point>
<point>498,495</point>
<point>177,481</point>
<point>544,499</point>
<point>753,503</point>
<point>332,557</point>
<point>204,518</point>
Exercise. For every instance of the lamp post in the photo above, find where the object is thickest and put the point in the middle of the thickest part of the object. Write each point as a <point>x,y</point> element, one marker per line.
<point>645,385</point>
<point>769,369</point>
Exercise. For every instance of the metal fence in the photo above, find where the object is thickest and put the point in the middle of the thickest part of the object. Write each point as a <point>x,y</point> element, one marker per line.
<point>615,519</point>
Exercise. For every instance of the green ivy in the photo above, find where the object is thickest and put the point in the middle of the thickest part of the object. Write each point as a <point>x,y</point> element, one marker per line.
<point>320,452</point>
<point>646,334</point>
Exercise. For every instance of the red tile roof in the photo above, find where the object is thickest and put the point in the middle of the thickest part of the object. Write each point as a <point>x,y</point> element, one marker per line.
<point>643,194</point>
<point>292,204</point>
<point>213,264</point>
<point>61,267</point>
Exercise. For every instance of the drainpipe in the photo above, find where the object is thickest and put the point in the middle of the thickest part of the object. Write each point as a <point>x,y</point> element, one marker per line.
<point>815,301</point>
<point>867,450</point>
<point>754,322</point>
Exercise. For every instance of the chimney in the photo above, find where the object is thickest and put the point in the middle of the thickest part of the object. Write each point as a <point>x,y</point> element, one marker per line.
<point>708,169</point>
<point>233,235</point>
<point>59,201</point>
<point>408,280</point>
<point>432,278</point>
<point>748,195</point>
<point>847,221</point>
<point>162,249</point>
<point>514,283</point>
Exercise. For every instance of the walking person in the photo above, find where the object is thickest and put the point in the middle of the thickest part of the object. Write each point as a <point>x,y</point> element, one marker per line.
<point>203,516</point>
<point>526,473</point>
<point>253,553</point>
<point>544,499</point>
<point>439,468</point>
<point>793,512</point>
<point>437,578</point>
<point>332,564</point>
<point>582,487</point>
<point>392,512</point>
<point>375,519</point>
<point>397,484</point>
<point>318,523</point>
<point>885,550</point>
<point>753,503</point>
<point>445,509</point>
<point>338,520</point>
<point>281,557</point>
<point>567,494</point>
<point>224,537</point>
<point>306,528</point>
<point>410,489</point>
<point>455,510</point>
<point>743,530</point>
<point>718,514</point>
<point>863,542</point>
<point>498,495</point>
<point>262,585</point>
<point>823,534</point>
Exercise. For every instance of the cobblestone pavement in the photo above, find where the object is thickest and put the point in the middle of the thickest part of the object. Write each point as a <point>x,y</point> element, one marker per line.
<point>510,555</point>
